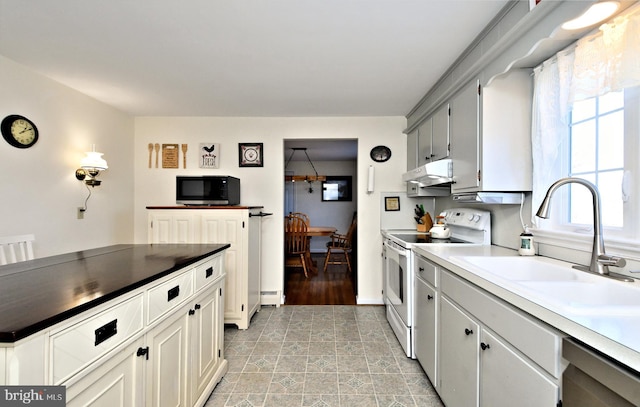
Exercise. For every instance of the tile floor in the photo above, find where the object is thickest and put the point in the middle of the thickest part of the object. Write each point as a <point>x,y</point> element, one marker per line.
<point>320,355</point>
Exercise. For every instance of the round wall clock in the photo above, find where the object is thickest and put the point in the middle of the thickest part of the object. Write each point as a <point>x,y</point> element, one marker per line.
<point>19,131</point>
<point>380,154</point>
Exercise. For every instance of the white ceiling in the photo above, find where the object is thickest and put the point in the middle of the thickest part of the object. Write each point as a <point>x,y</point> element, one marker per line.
<point>245,57</point>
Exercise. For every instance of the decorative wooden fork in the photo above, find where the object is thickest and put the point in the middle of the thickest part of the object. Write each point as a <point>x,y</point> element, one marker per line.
<point>184,156</point>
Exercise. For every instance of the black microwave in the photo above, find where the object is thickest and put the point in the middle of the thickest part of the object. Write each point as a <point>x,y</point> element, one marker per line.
<point>207,190</point>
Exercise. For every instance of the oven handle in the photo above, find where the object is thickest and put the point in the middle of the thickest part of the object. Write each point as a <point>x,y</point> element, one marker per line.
<point>394,249</point>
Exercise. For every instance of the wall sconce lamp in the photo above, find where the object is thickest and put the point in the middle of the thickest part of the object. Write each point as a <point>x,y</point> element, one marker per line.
<point>90,168</point>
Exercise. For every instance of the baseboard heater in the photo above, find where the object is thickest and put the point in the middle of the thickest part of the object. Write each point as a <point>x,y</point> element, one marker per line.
<point>271,298</point>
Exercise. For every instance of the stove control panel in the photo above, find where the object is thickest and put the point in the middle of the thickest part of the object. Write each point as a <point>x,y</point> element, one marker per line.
<point>467,218</point>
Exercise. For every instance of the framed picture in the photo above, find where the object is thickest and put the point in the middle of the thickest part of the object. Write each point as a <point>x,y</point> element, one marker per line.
<point>392,203</point>
<point>336,188</point>
<point>250,155</point>
<point>209,155</point>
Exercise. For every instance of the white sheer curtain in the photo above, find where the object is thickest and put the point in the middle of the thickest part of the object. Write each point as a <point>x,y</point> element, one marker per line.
<point>606,61</point>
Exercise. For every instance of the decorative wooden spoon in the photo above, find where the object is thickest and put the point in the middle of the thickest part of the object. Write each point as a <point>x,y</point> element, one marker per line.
<point>157,148</point>
<point>184,156</point>
<point>150,153</point>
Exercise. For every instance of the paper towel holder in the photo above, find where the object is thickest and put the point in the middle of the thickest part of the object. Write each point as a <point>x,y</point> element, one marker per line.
<point>371,180</point>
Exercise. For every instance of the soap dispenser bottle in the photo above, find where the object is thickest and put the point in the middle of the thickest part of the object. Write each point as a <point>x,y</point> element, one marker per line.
<point>526,244</point>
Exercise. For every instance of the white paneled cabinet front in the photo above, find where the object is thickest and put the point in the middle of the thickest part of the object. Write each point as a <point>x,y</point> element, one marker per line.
<point>118,382</point>
<point>172,227</point>
<point>172,357</point>
<point>490,135</point>
<point>492,355</point>
<point>242,259</point>
<point>509,379</point>
<point>227,226</point>
<point>459,365</point>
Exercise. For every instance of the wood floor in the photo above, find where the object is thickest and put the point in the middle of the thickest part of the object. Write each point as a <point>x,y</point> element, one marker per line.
<point>335,287</point>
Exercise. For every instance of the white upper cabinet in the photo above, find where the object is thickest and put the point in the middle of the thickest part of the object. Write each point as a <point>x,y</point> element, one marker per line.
<point>490,135</point>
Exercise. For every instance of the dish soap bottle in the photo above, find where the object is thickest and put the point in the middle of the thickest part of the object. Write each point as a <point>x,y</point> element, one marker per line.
<point>526,244</point>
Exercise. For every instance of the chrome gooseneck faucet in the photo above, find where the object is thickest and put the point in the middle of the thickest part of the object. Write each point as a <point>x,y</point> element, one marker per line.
<point>600,261</point>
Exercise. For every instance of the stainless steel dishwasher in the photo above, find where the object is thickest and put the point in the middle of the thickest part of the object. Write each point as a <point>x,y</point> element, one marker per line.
<point>593,380</point>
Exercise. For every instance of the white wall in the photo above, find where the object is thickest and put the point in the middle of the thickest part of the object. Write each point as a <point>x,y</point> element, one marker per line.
<point>265,186</point>
<point>40,193</point>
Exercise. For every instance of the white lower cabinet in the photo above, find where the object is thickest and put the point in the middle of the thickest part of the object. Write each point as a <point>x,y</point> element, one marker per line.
<point>176,362</point>
<point>159,345</point>
<point>425,328</point>
<point>509,379</point>
<point>459,344</point>
<point>115,383</point>
<point>167,347</point>
<point>239,227</point>
<point>492,354</point>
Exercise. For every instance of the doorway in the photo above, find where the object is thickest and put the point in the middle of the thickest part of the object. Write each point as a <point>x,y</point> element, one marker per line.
<point>336,159</point>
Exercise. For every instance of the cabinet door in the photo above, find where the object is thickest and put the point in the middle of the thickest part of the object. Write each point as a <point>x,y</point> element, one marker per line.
<point>425,141</point>
<point>115,383</point>
<point>412,150</point>
<point>205,325</point>
<point>508,379</point>
<point>440,138</point>
<point>458,365</point>
<point>167,364</point>
<point>426,345</point>
<point>171,227</point>
<point>464,134</point>
<point>227,226</point>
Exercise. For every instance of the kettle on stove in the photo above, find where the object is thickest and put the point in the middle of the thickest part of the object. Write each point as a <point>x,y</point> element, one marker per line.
<point>439,229</point>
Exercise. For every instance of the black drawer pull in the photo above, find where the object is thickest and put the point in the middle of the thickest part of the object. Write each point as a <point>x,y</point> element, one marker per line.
<point>468,331</point>
<point>106,331</point>
<point>429,297</point>
<point>143,352</point>
<point>484,346</point>
<point>208,273</point>
<point>173,293</point>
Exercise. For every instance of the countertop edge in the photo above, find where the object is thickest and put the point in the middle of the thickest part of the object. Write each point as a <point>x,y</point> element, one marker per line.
<point>18,335</point>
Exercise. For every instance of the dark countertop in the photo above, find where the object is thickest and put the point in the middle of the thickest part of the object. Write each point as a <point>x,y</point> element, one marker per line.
<point>205,207</point>
<point>37,294</point>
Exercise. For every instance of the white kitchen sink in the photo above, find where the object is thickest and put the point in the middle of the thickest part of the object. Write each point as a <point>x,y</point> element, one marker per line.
<point>553,282</point>
<point>600,298</point>
<point>515,268</point>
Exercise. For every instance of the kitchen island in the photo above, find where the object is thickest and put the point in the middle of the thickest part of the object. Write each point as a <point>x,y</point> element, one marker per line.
<point>123,322</point>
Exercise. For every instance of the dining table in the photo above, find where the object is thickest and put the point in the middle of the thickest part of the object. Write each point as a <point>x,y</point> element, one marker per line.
<point>316,231</point>
<point>320,231</point>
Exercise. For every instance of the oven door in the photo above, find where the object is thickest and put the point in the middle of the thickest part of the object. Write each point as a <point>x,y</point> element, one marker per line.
<point>397,275</point>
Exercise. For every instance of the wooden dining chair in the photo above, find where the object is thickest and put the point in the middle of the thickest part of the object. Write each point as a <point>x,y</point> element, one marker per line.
<point>306,219</point>
<point>296,242</point>
<point>16,248</point>
<point>341,245</point>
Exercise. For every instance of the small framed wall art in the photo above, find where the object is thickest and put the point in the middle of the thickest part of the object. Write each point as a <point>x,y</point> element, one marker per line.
<point>392,203</point>
<point>250,155</point>
<point>209,155</point>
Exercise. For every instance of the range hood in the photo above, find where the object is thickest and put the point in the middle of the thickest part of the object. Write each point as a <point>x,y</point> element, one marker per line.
<point>489,197</point>
<point>436,173</point>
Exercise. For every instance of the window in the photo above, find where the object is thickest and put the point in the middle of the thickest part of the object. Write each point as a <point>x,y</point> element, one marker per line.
<point>596,154</point>
<point>586,124</point>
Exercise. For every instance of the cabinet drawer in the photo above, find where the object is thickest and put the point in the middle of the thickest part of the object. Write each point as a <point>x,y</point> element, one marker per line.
<point>77,346</point>
<point>165,296</point>
<point>208,272</point>
<point>540,342</point>
<point>425,269</point>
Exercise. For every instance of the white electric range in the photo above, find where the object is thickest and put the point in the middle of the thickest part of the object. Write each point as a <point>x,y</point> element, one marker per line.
<point>468,226</point>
